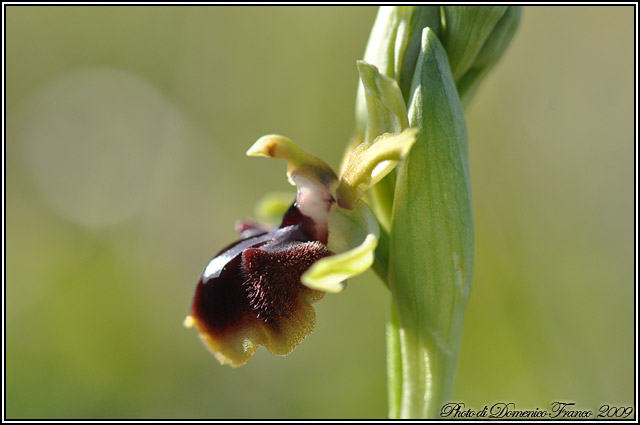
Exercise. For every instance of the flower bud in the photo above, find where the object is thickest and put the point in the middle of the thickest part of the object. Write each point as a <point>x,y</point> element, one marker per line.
<point>493,49</point>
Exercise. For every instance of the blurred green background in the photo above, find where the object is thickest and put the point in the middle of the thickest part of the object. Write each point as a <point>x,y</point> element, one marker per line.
<point>125,141</point>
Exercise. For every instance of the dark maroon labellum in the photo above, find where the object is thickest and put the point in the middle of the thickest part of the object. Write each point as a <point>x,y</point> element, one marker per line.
<point>250,294</point>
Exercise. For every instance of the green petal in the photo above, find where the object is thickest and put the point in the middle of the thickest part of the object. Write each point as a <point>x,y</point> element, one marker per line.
<point>370,162</point>
<point>356,232</point>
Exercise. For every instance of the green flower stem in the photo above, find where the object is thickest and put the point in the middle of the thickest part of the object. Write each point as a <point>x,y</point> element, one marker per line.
<point>394,363</point>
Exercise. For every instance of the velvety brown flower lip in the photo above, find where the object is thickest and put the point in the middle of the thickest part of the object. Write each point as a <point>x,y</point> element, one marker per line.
<point>250,294</point>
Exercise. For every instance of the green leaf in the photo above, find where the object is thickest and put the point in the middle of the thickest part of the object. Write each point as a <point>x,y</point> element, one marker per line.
<point>467,30</point>
<point>353,235</point>
<point>431,237</point>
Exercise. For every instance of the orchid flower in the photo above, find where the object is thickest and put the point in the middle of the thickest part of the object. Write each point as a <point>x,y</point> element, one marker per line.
<point>259,290</point>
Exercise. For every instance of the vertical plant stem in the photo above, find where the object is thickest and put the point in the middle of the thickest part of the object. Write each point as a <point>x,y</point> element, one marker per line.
<point>394,363</point>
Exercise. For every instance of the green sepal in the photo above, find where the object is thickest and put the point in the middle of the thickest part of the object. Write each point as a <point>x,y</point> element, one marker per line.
<point>353,236</point>
<point>299,163</point>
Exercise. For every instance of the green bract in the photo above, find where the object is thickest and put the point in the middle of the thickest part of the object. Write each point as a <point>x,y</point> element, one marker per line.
<point>431,237</point>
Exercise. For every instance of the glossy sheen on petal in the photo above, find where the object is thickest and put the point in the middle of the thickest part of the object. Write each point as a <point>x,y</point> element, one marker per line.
<point>251,293</point>
<point>257,298</point>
